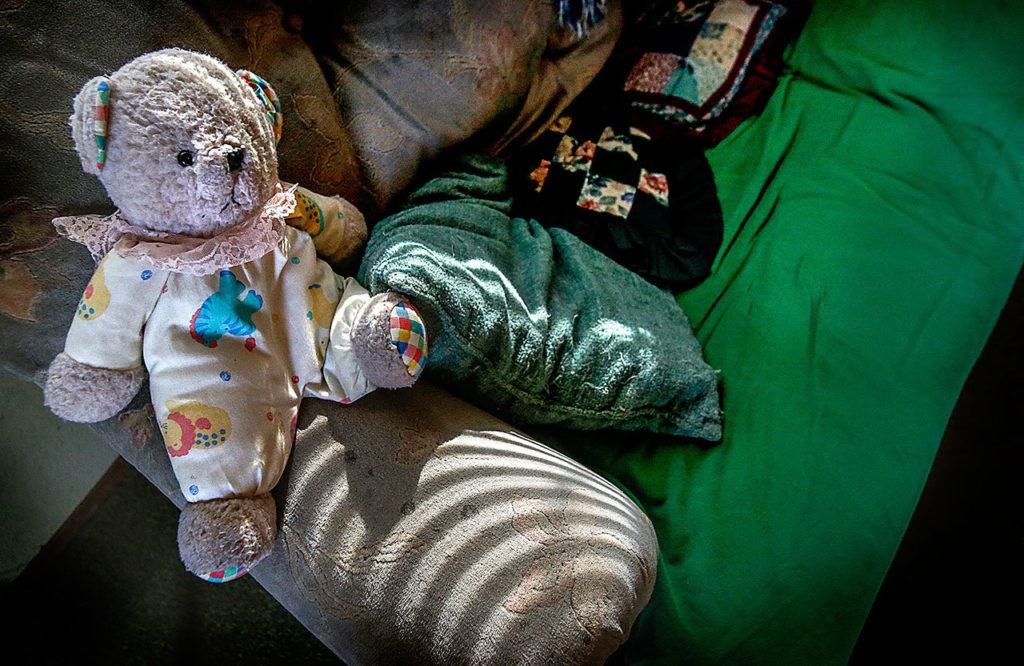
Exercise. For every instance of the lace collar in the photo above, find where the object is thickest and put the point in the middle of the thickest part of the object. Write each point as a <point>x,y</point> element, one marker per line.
<point>246,241</point>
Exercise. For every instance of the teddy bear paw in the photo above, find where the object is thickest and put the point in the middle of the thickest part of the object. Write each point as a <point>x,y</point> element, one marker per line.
<point>220,540</point>
<point>390,341</point>
<point>85,394</point>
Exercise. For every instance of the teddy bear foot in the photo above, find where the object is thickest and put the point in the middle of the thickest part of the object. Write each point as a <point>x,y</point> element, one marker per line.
<point>82,393</point>
<point>390,341</point>
<point>220,540</point>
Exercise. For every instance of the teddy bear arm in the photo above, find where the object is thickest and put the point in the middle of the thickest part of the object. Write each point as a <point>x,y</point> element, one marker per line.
<point>389,341</point>
<point>363,354</point>
<point>82,393</point>
<point>100,369</point>
<point>337,227</point>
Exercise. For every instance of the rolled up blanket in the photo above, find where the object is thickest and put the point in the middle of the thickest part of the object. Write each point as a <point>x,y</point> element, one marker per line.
<point>533,323</point>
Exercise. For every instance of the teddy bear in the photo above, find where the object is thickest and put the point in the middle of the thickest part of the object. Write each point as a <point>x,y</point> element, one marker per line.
<point>211,276</point>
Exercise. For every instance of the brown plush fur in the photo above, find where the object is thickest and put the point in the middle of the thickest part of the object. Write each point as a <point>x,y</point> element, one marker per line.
<point>78,392</point>
<point>371,342</point>
<point>218,534</point>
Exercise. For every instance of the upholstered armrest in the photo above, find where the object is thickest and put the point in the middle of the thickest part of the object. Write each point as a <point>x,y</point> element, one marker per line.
<point>416,528</point>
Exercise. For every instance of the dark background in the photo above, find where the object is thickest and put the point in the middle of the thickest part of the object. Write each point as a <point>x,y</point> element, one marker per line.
<point>954,590</point>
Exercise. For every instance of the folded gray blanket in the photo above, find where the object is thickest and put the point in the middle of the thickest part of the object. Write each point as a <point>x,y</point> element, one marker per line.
<point>534,324</point>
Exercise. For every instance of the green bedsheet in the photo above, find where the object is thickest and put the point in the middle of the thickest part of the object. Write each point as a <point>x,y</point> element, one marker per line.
<point>874,228</point>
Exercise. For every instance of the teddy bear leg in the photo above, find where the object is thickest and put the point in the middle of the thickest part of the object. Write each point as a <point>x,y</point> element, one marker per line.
<point>222,539</point>
<point>82,393</point>
<point>390,341</point>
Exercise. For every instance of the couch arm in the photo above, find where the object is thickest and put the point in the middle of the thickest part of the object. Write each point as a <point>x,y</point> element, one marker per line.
<point>419,529</point>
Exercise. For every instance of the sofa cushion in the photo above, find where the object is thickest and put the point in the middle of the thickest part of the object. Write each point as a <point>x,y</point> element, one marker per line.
<point>569,63</point>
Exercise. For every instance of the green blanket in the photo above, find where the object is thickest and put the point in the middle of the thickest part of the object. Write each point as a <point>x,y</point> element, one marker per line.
<point>534,324</point>
<point>874,227</point>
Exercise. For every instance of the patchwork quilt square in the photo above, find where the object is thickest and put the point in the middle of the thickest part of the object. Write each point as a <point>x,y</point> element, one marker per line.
<point>605,195</point>
<point>616,143</point>
<point>573,156</point>
<point>540,174</point>
<point>655,184</point>
<point>653,72</point>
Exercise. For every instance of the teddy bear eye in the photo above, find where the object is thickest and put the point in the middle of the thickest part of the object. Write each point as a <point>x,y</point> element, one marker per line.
<point>185,158</point>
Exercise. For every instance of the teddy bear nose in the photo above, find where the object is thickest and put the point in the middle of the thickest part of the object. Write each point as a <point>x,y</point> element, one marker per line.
<point>235,159</point>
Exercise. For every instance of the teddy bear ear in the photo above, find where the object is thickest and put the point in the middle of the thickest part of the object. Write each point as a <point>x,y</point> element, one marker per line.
<point>90,123</point>
<point>268,99</point>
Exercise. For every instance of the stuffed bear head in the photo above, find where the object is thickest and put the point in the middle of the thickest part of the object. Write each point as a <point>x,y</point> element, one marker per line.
<point>189,146</point>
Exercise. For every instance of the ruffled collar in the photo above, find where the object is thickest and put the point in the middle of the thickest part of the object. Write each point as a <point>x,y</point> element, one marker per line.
<point>246,241</point>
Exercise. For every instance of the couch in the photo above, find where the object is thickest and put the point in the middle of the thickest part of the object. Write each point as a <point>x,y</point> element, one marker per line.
<point>873,232</point>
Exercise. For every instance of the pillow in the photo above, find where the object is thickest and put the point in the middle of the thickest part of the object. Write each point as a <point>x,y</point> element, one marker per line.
<point>702,68</point>
<point>533,323</point>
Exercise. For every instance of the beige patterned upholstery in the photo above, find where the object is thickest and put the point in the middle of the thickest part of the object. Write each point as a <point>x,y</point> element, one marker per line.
<point>419,529</point>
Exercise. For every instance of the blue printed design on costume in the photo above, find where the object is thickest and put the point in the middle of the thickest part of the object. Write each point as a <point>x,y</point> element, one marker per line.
<point>223,313</point>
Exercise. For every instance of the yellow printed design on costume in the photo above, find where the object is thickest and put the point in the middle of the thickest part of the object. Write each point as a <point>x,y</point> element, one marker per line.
<point>96,296</point>
<point>336,227</point>
<point>321,308</point>
<point>194,425</point>
<point>307,215</point>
